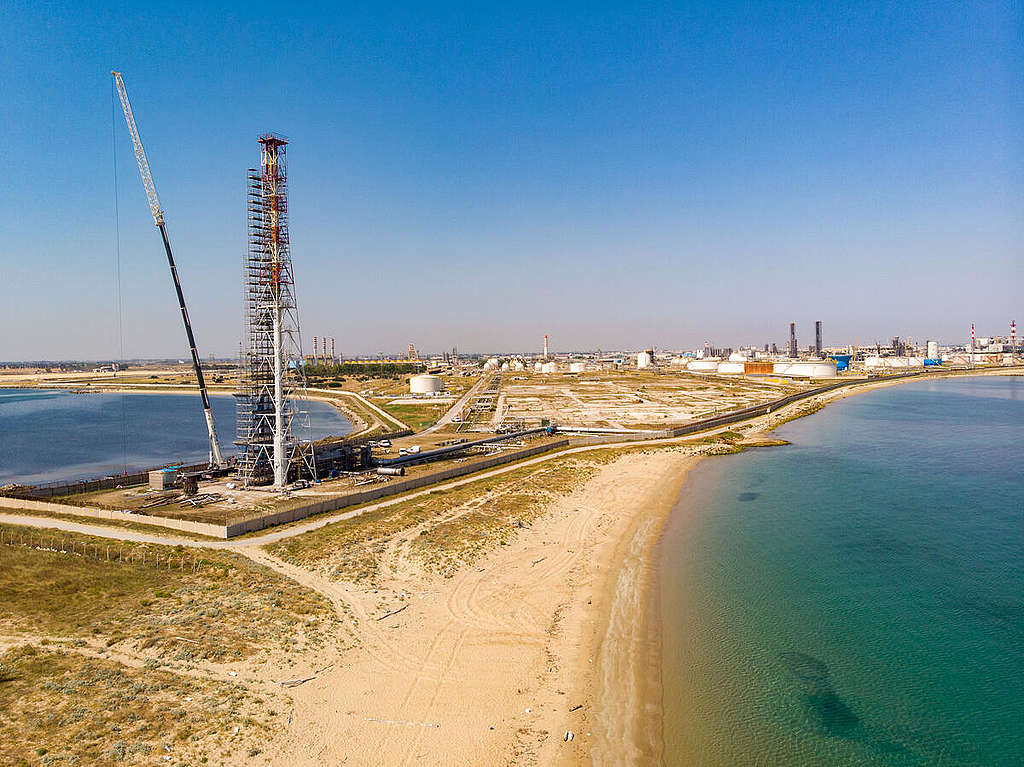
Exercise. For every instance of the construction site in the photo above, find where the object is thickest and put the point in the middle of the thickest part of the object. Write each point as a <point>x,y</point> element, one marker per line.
<point>460,563</point>
<point>416,421</point>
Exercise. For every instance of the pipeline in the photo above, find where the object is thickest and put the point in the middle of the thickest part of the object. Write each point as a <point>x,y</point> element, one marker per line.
<point>430,455</point>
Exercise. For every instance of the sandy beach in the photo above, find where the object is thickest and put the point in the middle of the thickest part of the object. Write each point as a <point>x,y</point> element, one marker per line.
<point>495,664</point>
<point>495,658</point>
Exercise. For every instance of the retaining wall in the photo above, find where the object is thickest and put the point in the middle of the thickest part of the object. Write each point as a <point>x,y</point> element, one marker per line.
<point>89,512</point>
<point>382,491</point>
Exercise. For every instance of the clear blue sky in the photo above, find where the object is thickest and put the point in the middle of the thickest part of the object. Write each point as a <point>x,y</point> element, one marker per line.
<point>614,176</point>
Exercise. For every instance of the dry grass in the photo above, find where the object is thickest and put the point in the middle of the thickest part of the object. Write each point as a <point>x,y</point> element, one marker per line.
<point>418,416</point>
<point>230,609</point>
<point>448,528</point>
<point>469,529</point>
<point>59,708</point>
<point>138,527</point>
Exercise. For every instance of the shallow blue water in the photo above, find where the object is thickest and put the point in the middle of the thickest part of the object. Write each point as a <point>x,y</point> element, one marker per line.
<point>856,598</point>
<point>50,435</point>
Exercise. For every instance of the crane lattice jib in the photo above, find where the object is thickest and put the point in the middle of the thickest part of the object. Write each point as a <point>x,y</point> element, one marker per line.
<point>140,153</point>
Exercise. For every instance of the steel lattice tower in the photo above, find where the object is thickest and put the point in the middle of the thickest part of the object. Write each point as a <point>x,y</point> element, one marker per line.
<point>272,377</point>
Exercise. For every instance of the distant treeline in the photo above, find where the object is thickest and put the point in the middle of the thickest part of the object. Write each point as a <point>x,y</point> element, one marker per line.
<point>384,369</point>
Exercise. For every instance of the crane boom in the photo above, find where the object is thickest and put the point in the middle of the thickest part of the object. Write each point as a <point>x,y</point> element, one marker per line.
<point>216,458</point>
<point>140,153</point>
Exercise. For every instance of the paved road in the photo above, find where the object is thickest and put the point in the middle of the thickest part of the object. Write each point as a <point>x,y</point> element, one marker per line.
<point>381,413</point>
<point>455,409</point>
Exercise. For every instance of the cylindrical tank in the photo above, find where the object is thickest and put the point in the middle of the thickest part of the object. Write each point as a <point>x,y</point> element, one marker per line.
<point>730,368</point>
<point>893,363</point>
<point>643,360</point>
<point>737,357</point>
<point>576,367</point>
<point>538,367</point>
<point>708,365</point>
<point>391,471</point>
<point>504,366</point>
<point>425,384</point>
<point>517,365</point>
<point>549,367</point>
<point>933,350</point>
<point>759,368</point>
<point>807,369</point>
<point>679,362</point>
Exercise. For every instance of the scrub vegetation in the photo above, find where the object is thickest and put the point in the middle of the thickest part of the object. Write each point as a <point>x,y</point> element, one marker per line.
<point>58,707</point>
<point>171,603</point>
<point>121,653</point>
<point>442,530</point>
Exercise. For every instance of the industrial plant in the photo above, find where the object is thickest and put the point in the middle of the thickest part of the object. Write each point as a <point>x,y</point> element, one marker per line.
<point>418,417</point>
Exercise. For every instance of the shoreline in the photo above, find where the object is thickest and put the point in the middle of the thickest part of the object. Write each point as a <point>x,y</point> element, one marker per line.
<point>356,419</point>
<point>628,686</point>
<point>629,634</point>
<point>558,631</point>
<point>357,424</point>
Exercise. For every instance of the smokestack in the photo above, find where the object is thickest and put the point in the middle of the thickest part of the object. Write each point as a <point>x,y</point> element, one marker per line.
<point>817,338</point>
<point>1013,338</point>
<point>792,339</point>
<point>545,346</point>
<point>314,351</point>
<point>332,349</point>
<point>972,340</point>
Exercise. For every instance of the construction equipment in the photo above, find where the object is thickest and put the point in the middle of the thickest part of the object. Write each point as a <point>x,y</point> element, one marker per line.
<point>216,459</point>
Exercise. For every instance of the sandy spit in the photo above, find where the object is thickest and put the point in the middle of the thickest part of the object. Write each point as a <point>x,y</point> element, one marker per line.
<point>494,665</point>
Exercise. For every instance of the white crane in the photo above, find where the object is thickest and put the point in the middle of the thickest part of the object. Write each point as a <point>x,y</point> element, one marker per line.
<point>216,459</point>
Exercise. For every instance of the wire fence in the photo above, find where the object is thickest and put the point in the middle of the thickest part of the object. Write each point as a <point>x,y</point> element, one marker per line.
<point>121,553</point>
<point>74,487</point>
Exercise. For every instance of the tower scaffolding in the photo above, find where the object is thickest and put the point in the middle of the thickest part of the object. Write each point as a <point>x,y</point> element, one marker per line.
<point>272,372</point>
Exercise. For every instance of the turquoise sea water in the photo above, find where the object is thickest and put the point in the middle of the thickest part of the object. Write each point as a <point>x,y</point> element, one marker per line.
<point>51,435</point>
<point>856,598</point>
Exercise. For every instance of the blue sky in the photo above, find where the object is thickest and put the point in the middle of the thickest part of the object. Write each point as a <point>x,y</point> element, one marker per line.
<point>615,176</point>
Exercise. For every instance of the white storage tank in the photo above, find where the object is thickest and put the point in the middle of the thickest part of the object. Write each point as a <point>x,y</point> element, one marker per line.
<point>491,364</point>
<point>538,367</point>
<point>893,363</point>
<point>643,360</point>
<point>731,367</point>
<point>549,367</point>
<point>737,357</point>
<point>517,365</point>
<point>708,365</point>
<point>425,384</point>
<point>576,367</point>
<point>806,369</point>
<point>933,350</point>
<point>679,362</point>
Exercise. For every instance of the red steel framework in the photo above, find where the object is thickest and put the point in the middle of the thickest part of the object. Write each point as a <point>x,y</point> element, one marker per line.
<point>272,377</point>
